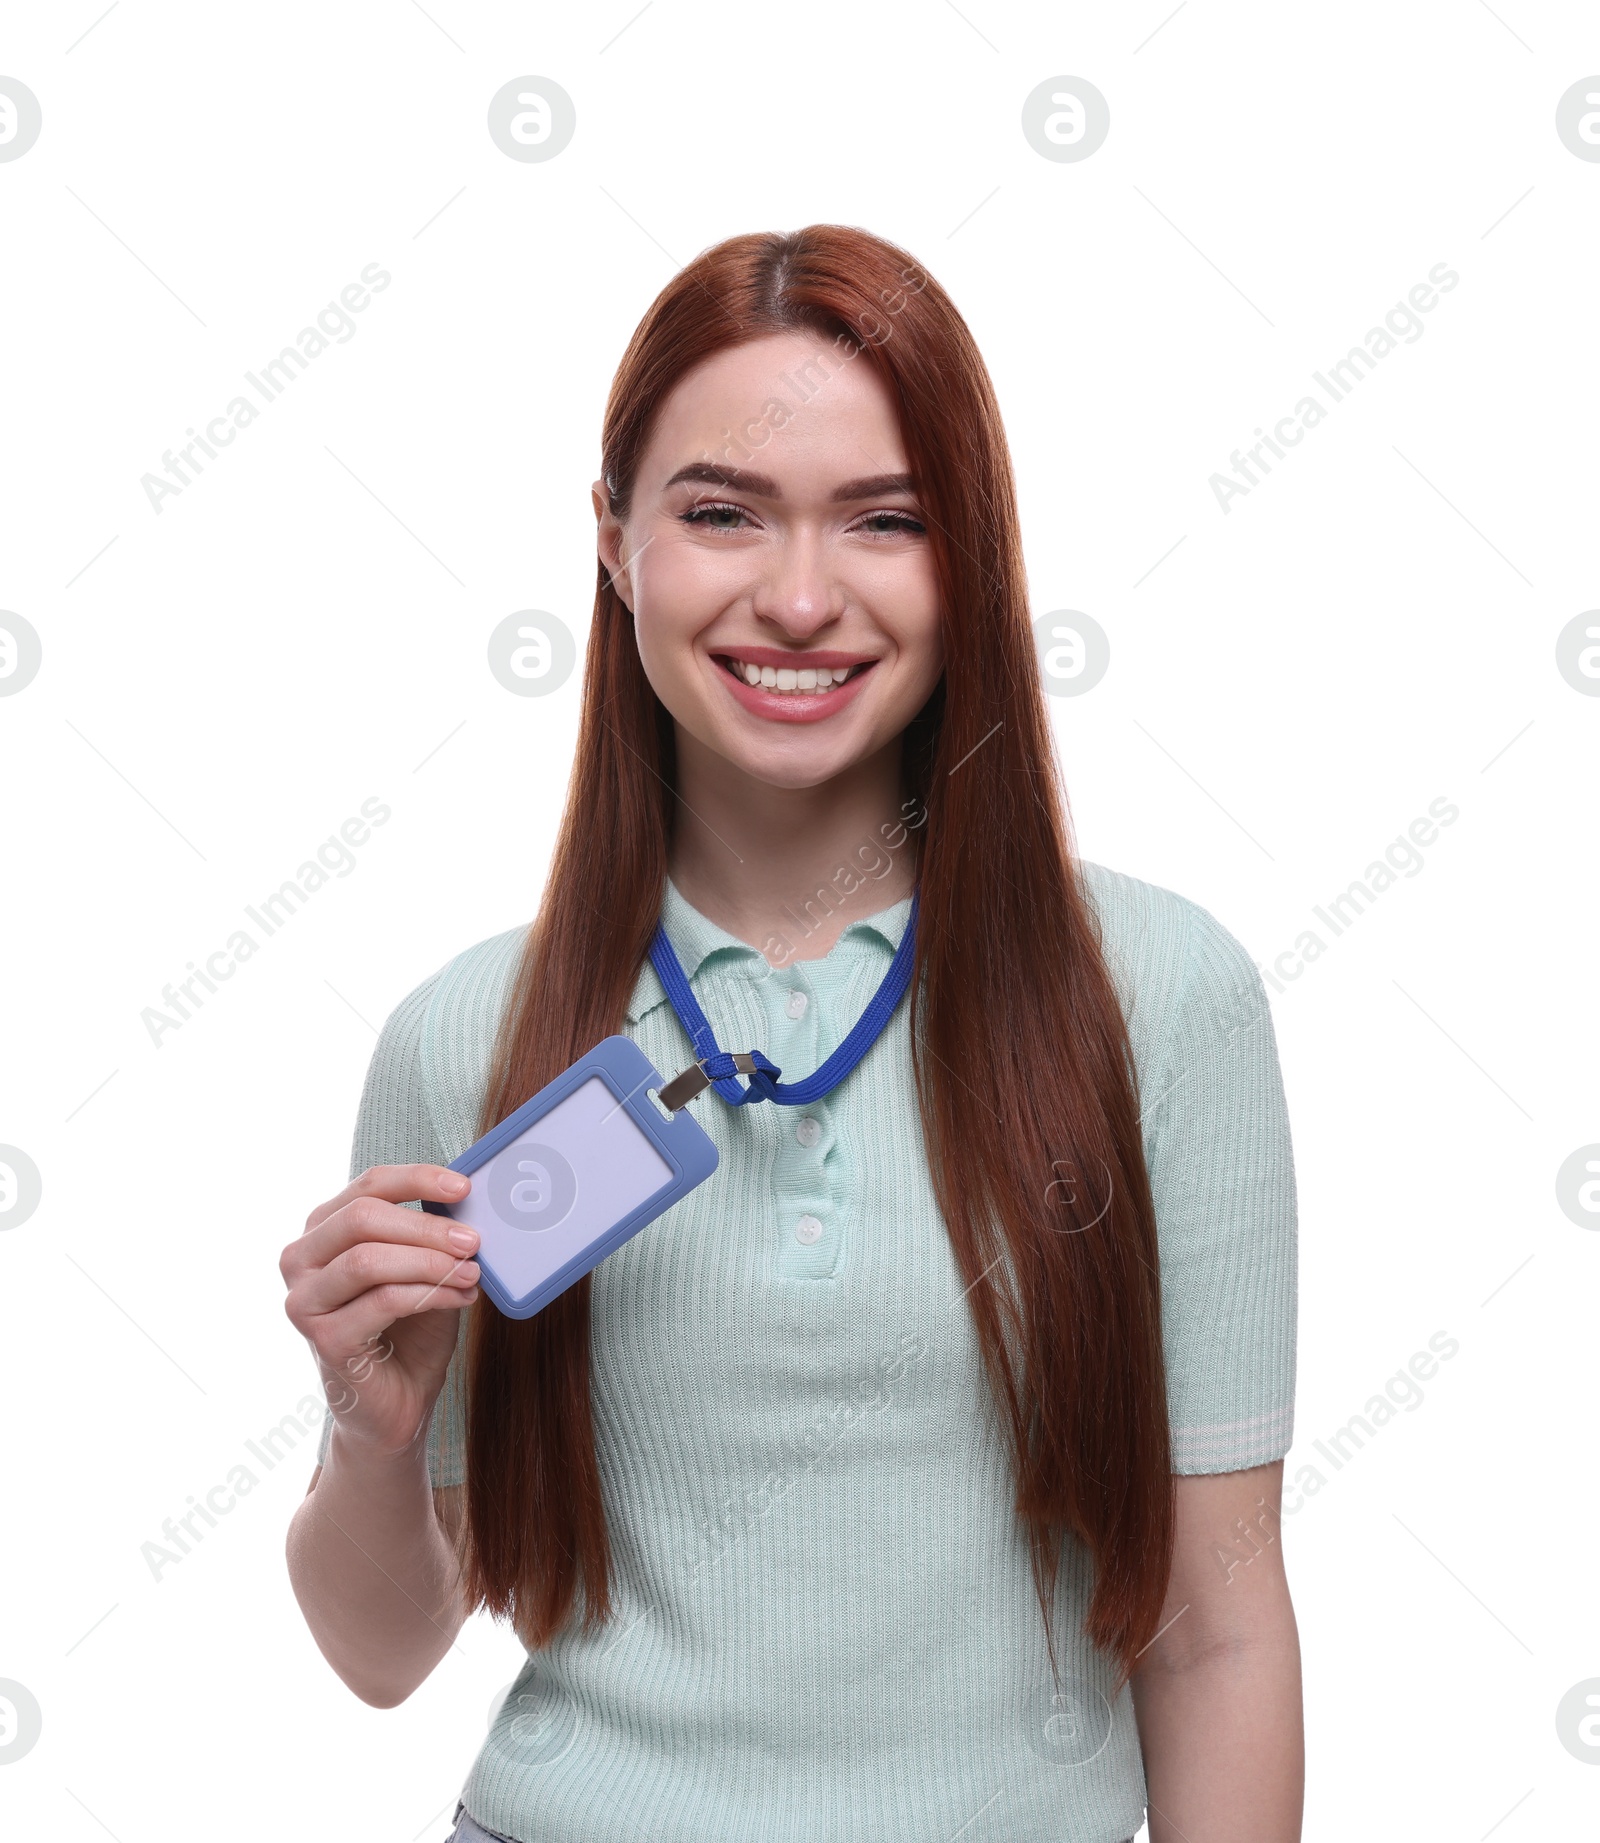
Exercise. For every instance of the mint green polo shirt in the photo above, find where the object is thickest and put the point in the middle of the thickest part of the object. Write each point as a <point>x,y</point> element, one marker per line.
<point>826,1626</point>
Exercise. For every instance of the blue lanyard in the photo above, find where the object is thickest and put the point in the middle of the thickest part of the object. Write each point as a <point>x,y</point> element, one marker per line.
<point>715,1067</point>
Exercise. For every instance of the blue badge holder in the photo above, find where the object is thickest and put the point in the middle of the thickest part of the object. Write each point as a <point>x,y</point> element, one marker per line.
<point>574,1173</point>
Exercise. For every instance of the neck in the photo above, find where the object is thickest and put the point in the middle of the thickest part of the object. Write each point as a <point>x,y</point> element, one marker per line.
<point>788,868</point>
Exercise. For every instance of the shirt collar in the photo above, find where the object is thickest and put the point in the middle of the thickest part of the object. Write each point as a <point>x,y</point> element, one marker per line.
<point>701,946</point>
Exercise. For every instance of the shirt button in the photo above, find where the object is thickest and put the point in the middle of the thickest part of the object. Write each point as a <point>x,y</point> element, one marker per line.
<point>796,1006</point>
<point>808,1132</point>
<point>808,1230</point>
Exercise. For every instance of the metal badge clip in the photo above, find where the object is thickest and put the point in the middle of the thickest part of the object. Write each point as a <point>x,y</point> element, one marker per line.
<point>694,1080</point>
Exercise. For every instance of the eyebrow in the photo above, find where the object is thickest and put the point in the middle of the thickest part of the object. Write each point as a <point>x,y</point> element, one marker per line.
<point>763,486</point>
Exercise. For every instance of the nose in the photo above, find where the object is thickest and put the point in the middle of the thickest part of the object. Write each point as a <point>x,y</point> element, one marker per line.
<point>798,590</point>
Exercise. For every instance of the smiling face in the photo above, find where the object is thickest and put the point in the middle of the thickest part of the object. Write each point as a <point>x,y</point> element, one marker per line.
<point>781,579</point>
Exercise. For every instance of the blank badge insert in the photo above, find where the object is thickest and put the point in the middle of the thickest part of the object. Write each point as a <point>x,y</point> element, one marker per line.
<point>577,1180</point>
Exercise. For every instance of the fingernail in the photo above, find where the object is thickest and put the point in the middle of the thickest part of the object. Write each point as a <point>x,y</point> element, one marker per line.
<point>454,1182</point>
<point>464,1239</point>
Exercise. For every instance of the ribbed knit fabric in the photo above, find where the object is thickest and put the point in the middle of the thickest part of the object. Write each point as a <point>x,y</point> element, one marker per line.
<point>826,1627</point>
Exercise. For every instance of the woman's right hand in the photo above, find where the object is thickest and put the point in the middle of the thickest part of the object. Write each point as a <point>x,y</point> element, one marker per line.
<point>376,1291</point>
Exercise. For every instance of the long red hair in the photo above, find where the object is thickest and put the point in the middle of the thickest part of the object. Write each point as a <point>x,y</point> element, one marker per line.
<point>1050,1216</point>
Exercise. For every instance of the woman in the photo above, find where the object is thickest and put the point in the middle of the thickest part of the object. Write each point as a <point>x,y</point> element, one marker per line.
<point>918,1474</point>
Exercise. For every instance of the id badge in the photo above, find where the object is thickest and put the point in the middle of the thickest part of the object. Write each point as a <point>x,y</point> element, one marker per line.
<point>574,1173</point>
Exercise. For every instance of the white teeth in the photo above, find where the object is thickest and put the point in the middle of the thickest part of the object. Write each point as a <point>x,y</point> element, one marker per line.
<point>791,678</point>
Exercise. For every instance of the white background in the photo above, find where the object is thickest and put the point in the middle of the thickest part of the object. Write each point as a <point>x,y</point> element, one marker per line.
<point>1292,682</point>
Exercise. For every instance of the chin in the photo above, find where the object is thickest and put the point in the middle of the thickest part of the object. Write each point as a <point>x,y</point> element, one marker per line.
<point>805,765</point>
<point>792,774</point>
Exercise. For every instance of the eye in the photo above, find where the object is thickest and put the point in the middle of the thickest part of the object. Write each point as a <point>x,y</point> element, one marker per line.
<point>714,515</point>
<point>891,524</point>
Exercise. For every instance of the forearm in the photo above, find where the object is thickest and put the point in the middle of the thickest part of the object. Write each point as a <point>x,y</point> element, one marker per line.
<point>374,1573</point>
<point>1224,1745</point>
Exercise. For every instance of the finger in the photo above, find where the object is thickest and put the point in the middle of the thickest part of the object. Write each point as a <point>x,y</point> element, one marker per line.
<point>377,1264</point>
<point>367,1219</point>
<point>395,1184</point>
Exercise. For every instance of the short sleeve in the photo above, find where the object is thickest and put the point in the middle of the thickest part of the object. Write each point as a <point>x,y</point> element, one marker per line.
<point>395,1126</point>
<point>1222,1174</point>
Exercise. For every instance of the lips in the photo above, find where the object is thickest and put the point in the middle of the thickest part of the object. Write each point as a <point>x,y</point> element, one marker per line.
<point>799,698</point>
<point>802,673</point>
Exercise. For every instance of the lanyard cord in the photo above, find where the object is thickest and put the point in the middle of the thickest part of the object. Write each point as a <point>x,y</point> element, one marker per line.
<point>717,1068</point>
